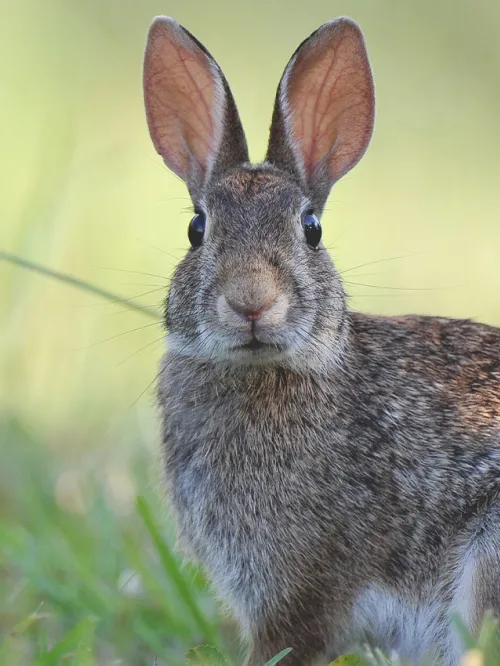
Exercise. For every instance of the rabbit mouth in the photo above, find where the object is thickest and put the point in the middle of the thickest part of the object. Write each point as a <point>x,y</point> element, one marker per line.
<point>256,345</point>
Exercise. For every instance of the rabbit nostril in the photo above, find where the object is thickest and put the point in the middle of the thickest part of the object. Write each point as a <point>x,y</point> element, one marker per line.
<point>250,312</point>
<point>253,315</point>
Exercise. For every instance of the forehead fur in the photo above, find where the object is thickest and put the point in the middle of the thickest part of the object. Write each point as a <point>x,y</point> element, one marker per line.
<point>261,186</point>
<point>253,182</point>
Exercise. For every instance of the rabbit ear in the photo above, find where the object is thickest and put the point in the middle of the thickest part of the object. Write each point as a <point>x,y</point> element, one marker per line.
<point>324,110</point>
<point>190,111</point>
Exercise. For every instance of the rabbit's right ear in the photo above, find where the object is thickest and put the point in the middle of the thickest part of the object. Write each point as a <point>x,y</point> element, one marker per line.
<point>191,113</point>
<point>324,111</point>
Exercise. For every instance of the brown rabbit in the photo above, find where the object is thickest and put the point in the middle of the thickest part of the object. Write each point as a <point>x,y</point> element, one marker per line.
<point>336,473</point>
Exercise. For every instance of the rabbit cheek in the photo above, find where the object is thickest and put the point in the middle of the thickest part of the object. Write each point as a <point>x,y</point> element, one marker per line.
<point>274,317</point>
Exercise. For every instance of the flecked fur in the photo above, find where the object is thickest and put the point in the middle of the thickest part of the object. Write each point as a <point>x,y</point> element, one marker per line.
<point>341,485</point>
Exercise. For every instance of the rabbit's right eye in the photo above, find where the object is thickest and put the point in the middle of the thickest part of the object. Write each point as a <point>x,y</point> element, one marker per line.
<point>196,229</point>
<point>312,230</point>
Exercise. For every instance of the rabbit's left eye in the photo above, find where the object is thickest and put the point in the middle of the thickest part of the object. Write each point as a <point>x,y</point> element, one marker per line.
<point>196,229</point>
<point>312,230</point>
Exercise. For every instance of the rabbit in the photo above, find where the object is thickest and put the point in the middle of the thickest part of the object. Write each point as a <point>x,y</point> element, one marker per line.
<point>337,474</point>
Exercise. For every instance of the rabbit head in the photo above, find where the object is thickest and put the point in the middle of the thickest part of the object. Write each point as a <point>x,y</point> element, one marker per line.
<point>257,285</point>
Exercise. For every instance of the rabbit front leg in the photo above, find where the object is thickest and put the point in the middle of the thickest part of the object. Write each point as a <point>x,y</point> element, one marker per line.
<point>307,629</point>
<point>307,649</point>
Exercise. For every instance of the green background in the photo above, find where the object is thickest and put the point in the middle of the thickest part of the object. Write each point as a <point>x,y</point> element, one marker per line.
<point>415,225</point>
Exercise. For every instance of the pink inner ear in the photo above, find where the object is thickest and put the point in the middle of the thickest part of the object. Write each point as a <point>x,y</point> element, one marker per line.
<point>330,99</point>
<point>181,87</point>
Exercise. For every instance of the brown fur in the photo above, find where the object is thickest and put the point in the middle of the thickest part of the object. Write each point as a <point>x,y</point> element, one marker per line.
<point>337,473</point>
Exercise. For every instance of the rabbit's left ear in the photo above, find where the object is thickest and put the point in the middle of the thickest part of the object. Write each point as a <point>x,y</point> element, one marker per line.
<point>190,110</point>
<point>324,110</point>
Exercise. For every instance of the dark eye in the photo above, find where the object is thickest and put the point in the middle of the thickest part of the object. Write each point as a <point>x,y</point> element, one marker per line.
<point>312,230</point>
<point>196,229</point>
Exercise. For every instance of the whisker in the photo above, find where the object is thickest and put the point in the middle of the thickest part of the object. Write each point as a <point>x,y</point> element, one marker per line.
<point>154,380</point>
<point>379,261</point>
<point>125,270</point>
<point>306,337</point>
<point>118,335</point>
<point>379,295</point>
<point>159,314</point>
<point>150,344</point>
<point>378,286</point>
<point>192,339</point>
<point>369,274</point>
<point>161,286</point>
<point>123,300</point>
<point>169,254</point>
<point>341,235</point>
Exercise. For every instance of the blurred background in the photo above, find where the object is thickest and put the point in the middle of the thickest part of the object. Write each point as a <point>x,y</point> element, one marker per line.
<point>85,572</point>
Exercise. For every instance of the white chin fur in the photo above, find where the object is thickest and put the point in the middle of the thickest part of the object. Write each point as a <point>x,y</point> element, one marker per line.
<point>296,351</point>
<point>209,346</point>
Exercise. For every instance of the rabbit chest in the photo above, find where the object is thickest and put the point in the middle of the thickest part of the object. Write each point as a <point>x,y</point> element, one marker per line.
<point>250,479</point>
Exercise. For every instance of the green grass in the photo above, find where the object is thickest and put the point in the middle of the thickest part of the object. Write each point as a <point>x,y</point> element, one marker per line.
<point>88,574</point>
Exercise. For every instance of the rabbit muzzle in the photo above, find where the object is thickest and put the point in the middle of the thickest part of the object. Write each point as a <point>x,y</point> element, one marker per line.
<point>253,308</point>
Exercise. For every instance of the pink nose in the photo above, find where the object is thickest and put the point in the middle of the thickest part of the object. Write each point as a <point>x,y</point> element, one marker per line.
<point>250,312</point>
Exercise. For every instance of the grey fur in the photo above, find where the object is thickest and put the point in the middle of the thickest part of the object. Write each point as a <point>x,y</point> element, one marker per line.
<point>347,475</point>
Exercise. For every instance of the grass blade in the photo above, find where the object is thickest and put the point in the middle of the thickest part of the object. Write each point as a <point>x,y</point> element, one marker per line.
<point>205,655</point>
<point>171,567</point>
<point>278,657</point>
<point>9,644</point>
<point>78,283</point>
<point>79,636</point>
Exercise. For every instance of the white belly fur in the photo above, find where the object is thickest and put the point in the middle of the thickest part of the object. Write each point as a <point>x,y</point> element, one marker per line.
<point>411,631</point>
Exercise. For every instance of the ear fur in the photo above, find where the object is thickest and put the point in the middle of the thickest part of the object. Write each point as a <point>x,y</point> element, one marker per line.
<point>192,118</point>
<point>324,110</point>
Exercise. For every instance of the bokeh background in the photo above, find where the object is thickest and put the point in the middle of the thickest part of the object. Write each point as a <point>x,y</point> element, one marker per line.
<point>415,226</point>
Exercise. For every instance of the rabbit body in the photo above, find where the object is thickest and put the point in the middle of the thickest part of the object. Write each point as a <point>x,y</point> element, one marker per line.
<point>355,505</point>
<point>336,473</point>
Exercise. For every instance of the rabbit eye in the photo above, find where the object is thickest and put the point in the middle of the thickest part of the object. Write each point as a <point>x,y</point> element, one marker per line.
<point>196,229</point>
<point>312,230</point>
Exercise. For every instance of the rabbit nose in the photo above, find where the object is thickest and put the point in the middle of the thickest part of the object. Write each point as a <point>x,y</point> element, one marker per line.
<point>252,312</point>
